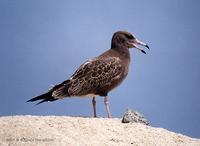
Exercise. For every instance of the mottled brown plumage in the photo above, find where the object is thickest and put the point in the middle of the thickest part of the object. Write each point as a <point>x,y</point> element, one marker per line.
<point>98,76</point>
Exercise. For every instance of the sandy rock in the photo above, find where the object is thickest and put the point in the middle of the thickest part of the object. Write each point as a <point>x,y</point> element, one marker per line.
<point>131,116</point>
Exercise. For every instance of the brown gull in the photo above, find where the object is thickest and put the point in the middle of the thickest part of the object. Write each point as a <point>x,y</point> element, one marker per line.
<point>98,76</point>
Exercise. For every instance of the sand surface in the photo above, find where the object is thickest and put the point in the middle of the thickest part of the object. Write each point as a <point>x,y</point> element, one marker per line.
<point>77,131</point>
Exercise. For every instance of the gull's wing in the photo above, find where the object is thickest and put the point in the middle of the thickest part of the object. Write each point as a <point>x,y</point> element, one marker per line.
<point>91,77</point>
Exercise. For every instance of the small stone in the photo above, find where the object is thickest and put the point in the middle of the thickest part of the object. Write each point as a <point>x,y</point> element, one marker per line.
<point>131,116</point>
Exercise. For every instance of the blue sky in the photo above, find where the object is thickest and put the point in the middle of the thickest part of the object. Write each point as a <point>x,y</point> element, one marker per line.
<point>44,42</point>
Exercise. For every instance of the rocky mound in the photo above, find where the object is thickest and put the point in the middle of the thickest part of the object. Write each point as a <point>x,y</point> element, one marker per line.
<point>74,131</point>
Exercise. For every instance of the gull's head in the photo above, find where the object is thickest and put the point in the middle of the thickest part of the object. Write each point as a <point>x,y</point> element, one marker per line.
<point>127,40</point>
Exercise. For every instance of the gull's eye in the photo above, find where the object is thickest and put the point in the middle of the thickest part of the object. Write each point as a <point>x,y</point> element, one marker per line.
<point>130,37</point>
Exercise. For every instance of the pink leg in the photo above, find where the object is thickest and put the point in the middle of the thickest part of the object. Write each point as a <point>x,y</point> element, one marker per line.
<point>107,106</point>
<point>94,106</point>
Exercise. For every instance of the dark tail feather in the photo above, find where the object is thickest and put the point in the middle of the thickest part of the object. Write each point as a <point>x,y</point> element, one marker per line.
<point>59,90</point>
<point>44,97</point>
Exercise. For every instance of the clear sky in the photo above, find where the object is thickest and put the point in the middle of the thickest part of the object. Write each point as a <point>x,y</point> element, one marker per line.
<point>44,42</point>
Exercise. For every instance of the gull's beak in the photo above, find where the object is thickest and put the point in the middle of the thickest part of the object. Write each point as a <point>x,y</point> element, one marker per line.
<point>135,44</point>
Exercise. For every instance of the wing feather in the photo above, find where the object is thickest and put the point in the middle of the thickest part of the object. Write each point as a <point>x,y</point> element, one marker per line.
<point>95,74</point>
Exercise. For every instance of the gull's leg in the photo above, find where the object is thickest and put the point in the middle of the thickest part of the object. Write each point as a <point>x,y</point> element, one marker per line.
<point>94,106</point>
<point>107,106</point>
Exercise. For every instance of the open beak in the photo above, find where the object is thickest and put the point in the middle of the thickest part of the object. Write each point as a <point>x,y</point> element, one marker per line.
<point>135,44</point>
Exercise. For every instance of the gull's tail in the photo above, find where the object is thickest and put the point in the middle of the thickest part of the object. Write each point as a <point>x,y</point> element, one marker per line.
<point>44,97</point>
<point>57,92</point>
